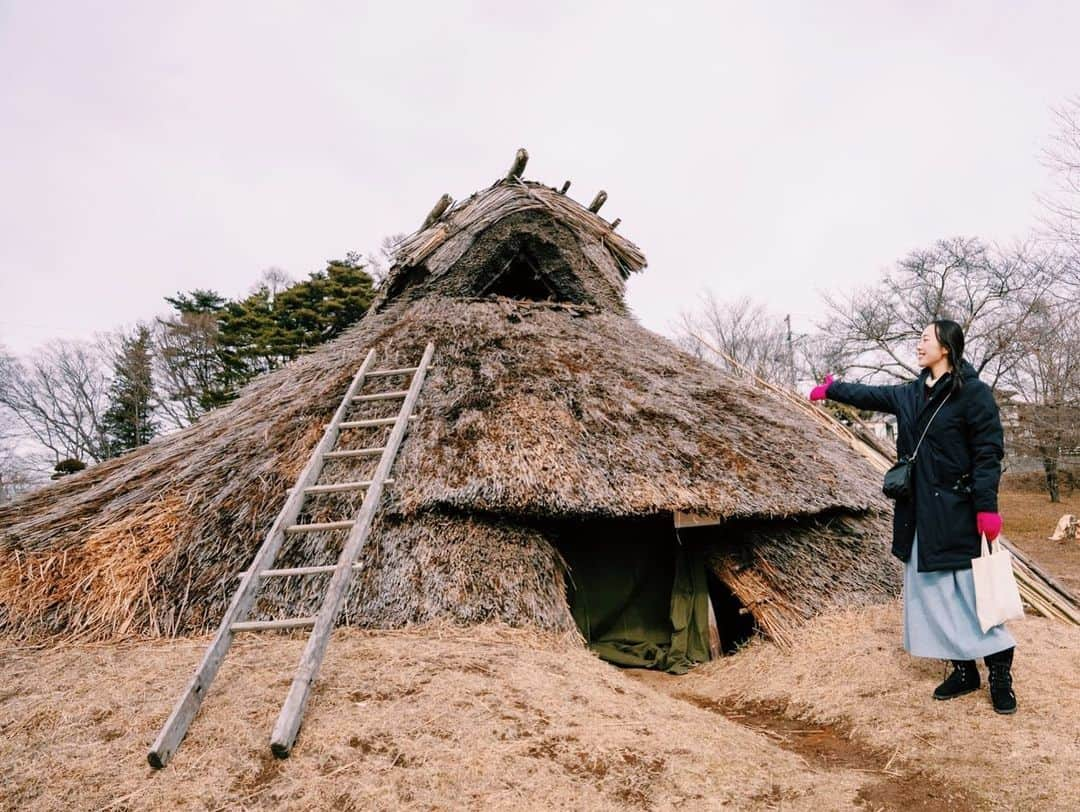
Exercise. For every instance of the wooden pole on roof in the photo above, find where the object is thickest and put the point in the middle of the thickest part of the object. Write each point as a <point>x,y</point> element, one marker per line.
<point>518,166</point>
<point>565,188</point>
<point>441,205</point>
<point>598,201</point>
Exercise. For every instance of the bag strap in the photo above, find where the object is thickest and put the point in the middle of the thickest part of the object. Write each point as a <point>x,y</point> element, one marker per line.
<point>928,422</point>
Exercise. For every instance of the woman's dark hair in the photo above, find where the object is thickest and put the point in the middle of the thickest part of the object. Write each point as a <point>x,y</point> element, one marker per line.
<point>950,335</point>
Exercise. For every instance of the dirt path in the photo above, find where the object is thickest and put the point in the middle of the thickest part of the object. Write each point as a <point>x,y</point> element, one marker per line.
<point>867,704</point>
<point>891,783</point>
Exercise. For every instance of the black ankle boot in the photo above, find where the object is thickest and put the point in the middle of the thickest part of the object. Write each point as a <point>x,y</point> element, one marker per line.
<point>1001,692</point>
<point>963,680</point>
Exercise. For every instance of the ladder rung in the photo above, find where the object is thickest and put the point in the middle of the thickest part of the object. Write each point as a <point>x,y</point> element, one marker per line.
<point>266,625</point>
<point>382,396</point>
<point>374,421</point>
<point>354,452</point>
<point>335,487</point>
<point>286,572</point>
<point>319,527</point>
<point>381,373</point>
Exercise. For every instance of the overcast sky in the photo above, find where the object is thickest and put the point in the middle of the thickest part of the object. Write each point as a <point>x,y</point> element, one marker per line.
<point>767,149</point>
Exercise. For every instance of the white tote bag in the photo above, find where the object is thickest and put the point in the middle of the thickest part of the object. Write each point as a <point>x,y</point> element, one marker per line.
<point>997,598</point>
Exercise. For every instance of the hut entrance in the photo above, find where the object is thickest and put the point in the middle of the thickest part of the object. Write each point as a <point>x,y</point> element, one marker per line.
<point>639,597</point>
<point>734,623</point>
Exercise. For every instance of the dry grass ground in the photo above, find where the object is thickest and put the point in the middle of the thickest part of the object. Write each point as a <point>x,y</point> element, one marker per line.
<point>1030,518</point>
<point>849,670</point>
<point>432,718</point>
<point>489,717</point>
<point>442,718</point>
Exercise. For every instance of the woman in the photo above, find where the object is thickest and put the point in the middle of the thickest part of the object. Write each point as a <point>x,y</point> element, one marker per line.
<point>936,532</point>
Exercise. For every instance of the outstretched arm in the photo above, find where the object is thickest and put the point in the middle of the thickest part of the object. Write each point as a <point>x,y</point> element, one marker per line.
<point>862,396</point>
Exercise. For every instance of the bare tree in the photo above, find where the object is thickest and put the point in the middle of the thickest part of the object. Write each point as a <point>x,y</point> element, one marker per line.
<point>273,280</point>
<point>1062,157</point>
<point>741,330</point>
<point>818,354</point>
<point>989,292</point>
<point>1044,412</point>
<point>380,261</point>
<point>19,471</point>
<point>187,365</point>
<point>59,396</point>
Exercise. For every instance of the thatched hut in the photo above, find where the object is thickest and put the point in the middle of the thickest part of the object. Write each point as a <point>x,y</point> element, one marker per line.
<point>556,439</point>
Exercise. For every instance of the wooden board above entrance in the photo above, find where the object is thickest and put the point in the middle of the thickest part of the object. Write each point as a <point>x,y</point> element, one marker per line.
<point>695,519</point>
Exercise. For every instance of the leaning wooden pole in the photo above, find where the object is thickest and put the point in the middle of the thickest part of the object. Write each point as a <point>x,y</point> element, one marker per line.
<point>1044,594</point>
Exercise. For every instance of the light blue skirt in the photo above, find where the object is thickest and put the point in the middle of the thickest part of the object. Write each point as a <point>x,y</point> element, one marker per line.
<point>939,615</point>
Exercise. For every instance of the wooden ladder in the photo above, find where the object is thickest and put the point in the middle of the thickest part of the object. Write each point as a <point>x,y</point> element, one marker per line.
<point>235,619</point>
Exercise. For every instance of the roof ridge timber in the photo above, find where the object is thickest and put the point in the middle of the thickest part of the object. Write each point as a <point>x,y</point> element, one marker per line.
<point>512,212</point>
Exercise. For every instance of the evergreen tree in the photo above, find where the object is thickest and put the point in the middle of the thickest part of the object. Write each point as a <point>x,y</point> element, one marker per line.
<point>129,420</point>
<point>205,364</point>
<point>251,339</point>
<point>320,308</point>
<point>189,370</point>
<point>267,329</point>
<point>198,301</point>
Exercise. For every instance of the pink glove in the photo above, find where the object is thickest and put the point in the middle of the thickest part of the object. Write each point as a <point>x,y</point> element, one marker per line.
<point>989,523</point>
<point>818,392</point>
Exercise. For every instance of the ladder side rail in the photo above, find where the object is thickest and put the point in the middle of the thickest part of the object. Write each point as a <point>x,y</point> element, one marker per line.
<point>176,726</point>
<point>292,711</point>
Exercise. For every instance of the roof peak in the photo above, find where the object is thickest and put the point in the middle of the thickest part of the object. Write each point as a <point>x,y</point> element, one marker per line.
<point>517,238</point>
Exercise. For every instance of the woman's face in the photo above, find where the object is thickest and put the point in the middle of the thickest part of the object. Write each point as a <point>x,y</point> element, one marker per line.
<point>928,351</point>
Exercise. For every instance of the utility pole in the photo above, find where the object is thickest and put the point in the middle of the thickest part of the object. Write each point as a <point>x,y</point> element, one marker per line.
<point>790,353</point>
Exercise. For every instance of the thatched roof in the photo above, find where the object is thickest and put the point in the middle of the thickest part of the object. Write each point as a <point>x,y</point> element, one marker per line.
<point>515,225</point>
<point>530,409</point>
<point>533,412</point>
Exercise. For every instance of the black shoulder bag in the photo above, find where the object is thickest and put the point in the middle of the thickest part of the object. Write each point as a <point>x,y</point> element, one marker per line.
<point>897,484</point>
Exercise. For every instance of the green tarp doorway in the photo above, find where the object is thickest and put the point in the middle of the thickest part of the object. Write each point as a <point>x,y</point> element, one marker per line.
<point>638,595</point>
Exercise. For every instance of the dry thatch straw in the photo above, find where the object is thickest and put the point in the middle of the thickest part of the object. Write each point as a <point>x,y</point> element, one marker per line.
<point>464,251</point>
<point>535,413</point>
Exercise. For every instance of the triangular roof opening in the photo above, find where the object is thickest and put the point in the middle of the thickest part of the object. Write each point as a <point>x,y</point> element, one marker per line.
<point>517,239</point>
<point>530,270</point>
<point>520,278</point>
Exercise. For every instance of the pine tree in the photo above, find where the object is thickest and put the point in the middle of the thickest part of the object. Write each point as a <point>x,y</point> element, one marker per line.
<point>129,420</point>
<point>190,372</point>
<point>258,333</point>
<point>267,329</point>
<point>320,308</point>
